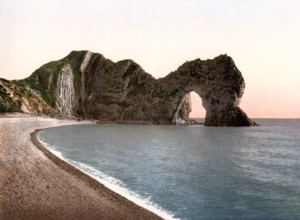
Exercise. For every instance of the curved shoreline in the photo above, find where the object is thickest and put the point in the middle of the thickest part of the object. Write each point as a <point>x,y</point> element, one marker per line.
<point>93,183</point>
<point>79,170</point>
<point>65,165</point>
<point>38,185</point>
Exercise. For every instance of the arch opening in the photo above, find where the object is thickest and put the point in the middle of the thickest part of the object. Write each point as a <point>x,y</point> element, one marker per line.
<point>198,112</point>
<point>190,110</point>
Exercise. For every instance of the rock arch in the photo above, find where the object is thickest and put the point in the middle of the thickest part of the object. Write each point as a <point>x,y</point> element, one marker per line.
<point>219,84</point>
<point>123,92</point>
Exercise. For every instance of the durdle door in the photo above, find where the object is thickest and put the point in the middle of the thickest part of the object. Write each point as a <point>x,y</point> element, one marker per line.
<point>87,85</point>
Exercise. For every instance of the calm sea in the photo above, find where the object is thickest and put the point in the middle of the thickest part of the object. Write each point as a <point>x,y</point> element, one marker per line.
<point>192,172</point>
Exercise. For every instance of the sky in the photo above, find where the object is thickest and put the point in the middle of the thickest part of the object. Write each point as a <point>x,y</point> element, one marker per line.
<point>262,37</point>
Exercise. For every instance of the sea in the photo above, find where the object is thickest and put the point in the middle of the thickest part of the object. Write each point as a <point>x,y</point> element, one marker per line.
<point>191,171</point>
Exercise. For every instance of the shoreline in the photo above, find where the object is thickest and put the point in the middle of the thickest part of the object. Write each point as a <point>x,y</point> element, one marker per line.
<point>89,179</point>
<point>36,184</point>
<point>64,163</point>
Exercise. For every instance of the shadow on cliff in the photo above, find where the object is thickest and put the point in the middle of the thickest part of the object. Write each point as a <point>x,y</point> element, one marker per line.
<point>87,85</point>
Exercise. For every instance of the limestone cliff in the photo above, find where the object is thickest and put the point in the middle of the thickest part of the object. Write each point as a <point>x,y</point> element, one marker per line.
<point>86,84</point>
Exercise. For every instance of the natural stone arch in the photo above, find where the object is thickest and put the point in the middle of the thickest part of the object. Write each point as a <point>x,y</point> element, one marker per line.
<point>219,84</point>
<point>184,109</point>
<point>123,92</point>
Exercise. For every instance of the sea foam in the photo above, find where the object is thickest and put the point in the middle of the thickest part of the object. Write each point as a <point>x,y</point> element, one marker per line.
<point>112,183</point>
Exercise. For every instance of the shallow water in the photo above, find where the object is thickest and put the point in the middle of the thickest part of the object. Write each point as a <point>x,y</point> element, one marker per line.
<point>192,172</point>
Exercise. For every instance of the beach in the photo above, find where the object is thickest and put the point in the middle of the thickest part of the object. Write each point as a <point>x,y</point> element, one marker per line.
<point>35,184</point>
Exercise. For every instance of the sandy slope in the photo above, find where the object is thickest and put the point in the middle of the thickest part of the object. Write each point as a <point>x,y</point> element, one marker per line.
<point>34,186</point>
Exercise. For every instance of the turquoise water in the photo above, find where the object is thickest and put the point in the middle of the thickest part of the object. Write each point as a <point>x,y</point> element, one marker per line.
<point>192,172</point>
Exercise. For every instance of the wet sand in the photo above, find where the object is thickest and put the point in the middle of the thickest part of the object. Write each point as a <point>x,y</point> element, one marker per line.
<point>35,184</point>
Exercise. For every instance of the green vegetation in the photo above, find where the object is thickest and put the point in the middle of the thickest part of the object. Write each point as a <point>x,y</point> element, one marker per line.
<point>2,108</point>
<point>121,63</point>
<point>44,79</point>
<point>40,81</point>
<point>131,69</point>
<point>7,104</point>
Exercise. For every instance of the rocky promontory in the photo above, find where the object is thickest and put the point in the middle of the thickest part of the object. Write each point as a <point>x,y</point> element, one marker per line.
<point>87,85</point>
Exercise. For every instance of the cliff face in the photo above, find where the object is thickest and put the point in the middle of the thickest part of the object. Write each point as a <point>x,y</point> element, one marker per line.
<point>86,84</point>
<point>16,98</point>
<point>219,84</point>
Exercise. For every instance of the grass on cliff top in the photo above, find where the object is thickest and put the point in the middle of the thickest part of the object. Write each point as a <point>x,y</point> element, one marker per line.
<point>44,79</point>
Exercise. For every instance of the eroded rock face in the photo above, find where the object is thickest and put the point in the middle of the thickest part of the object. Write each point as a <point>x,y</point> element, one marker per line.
<point>20,98</point>
<point>183,110</point>
<point>65,100</point>
<point>86,84</point>
<point>219,84</point>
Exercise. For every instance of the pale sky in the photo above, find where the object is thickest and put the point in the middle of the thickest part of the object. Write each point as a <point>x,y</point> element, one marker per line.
<point>262,36</point>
